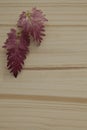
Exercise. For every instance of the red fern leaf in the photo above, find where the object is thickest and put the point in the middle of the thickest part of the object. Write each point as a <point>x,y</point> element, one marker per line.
<point>17,48</point>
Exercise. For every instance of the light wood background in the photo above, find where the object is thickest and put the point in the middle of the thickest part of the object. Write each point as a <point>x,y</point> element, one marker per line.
<point>51,91</point>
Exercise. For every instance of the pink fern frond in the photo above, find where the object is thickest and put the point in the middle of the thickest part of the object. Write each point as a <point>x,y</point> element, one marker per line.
<point>34,24</point>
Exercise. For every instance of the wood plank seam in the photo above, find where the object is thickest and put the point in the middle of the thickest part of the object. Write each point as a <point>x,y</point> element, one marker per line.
<point>43,98</point>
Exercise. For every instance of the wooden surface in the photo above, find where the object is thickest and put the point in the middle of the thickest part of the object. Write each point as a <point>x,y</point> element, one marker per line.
<point>51,91</point>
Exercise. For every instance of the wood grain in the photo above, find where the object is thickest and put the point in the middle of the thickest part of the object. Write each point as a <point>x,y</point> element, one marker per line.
<point>51,91</point>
